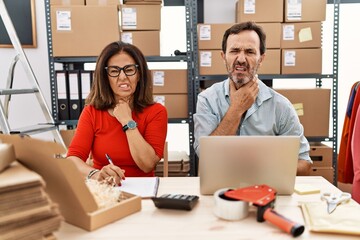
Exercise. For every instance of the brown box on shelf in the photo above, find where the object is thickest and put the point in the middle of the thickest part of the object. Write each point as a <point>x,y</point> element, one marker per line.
<point>210,35</point>
<point>179,164</point>
<point>140,17</point>
<point>67,2</point>
<point>211,63</point>
<point>273,34</point>
<point>301,35</point>
<point>77,31</point>
<point>326,172</point>
<point>176,104</point>
<point>170,81</point>
<point>147,41</point>
<point>272,62</point>
<point>103,2</point>
<point>143,2</point>
<point>305,11</point>
<point>301,61</point>
<point>77,204</point>
<point>321,155</point>
<point>261,11</point>
<point>312,107</point>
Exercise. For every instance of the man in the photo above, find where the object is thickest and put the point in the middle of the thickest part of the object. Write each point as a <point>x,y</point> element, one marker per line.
<point>242,104</point>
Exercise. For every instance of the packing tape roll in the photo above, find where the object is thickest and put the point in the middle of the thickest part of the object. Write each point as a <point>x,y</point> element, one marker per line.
<point>229,209</point>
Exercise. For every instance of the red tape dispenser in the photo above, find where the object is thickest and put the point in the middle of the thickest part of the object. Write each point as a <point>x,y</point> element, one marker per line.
<point>263,197</point>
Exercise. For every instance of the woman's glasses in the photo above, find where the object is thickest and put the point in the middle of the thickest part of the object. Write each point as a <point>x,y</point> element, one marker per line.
<point>129,70</point>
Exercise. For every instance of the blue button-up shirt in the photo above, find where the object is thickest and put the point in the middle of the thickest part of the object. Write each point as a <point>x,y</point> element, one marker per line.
<point>270,114</point>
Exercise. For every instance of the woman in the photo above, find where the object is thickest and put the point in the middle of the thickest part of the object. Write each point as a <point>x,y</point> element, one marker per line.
<point>121,126</point>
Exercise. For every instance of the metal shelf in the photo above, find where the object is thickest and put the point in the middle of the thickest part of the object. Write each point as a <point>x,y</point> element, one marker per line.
<point>93,59</point>
<point>268,76</point>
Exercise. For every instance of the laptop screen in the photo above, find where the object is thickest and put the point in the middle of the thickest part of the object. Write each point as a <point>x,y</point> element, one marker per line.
<point>240,161</point>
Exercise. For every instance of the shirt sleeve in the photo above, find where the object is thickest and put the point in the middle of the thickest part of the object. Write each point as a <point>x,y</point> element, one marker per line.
<point>205,120</point>
<point>81,143</point>
<point>156,129</point>
<point>290,125</point>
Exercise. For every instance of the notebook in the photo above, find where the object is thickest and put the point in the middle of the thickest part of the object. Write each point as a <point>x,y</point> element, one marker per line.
<point>145,187</point>
<point>240,161</point>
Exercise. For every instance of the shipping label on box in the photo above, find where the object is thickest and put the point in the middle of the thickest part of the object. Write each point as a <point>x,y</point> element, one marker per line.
<point>258,11</point>
<point>128,18</point>
<point>301,35</point>
<point>170,81</point>
<point>301,61</point>
<point>305,10</point>
<point>63,20</point>
<point>176,104</point>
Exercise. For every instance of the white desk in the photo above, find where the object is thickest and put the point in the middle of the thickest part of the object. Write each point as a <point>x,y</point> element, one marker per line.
<point>201,223</point>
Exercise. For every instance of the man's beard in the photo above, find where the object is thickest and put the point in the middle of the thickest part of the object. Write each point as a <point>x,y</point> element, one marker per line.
<point>242,79</point>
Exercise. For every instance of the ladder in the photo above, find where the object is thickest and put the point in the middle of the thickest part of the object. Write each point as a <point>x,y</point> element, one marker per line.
<point>35,89</point>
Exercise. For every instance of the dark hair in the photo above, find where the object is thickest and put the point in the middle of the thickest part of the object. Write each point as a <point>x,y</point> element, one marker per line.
<point>101,95</point>
<point>239,27</point>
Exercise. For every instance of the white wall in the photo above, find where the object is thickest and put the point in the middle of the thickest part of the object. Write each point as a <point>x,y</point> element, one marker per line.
<point>25,111</point>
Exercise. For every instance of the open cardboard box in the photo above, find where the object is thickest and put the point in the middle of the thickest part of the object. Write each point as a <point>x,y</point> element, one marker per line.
<point>66,186</point>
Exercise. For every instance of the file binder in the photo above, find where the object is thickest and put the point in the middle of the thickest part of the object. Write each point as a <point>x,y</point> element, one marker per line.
<point>74,92</point>
<point>86,81</point>
<point>62,95</point>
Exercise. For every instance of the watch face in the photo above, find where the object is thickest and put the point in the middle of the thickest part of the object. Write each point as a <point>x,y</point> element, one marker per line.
<point>132,124</point>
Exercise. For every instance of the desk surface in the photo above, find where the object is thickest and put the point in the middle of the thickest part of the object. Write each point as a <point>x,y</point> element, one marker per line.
<point>201,223</point>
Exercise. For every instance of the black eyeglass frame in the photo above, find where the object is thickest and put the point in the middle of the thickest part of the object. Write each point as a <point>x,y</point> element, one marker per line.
<point>123,69</point>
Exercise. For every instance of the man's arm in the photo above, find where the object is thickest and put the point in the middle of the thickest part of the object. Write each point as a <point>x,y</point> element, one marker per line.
<point>303,168</point>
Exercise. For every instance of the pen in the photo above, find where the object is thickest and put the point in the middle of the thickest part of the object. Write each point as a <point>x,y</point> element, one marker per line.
<point>109,159</point>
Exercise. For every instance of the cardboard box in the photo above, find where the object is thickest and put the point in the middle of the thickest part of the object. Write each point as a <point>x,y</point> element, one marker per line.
<point>259,11</point>
<point>301,61</point>
<point>272,62</point>
<point>67,2</point>
<point>176,104</point>
<point>140,17</point>
<point>305,11</point>
<point>273,34</point>
<point>103,2</point>
<point>170,81</point>
<point>210,36</point>
<point>67,136</point>
<point>143,2</point>
<point>147,41</point>
<point>301,35</point>
<point>211,63</point>
<point>66,186</point>
<point>313,108</point>
<point>326,172</point>
<point>321,155</point>
<point>77,31</point>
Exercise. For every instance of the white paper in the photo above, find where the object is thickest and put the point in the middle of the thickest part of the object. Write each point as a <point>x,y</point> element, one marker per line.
<point>159,78</point>
<point>294,10</point>
<point>63,20</point>
<point>144,187</point>
<point>290,57</point>
<point>159,99</point>
<point>127,37</point>
<point>205,33</point>
<point>129,18</point>
<point>249,7</point>
<point>205,59</point>
<point>288,32</point>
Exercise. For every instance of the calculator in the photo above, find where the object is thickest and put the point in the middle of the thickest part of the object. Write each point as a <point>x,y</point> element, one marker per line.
<point>176,201</point>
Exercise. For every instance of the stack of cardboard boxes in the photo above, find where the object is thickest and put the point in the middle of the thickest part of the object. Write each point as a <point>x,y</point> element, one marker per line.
<point>171,90</point>
<point>141,24</point>
<point>293,41</point>
<point>82,28</point>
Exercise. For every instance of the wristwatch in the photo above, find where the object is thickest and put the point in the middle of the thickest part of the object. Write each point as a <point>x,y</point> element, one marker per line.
<point>130,125</point>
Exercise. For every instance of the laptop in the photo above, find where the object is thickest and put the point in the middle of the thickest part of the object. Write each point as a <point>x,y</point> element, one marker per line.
<point>240,161</point>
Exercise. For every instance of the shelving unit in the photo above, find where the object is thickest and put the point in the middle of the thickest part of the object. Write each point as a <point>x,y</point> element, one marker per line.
<point>70,63</point>
<point>318,79</point>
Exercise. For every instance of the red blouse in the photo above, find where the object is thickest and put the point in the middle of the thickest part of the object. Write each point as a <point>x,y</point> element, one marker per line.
<point>99,133</point>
